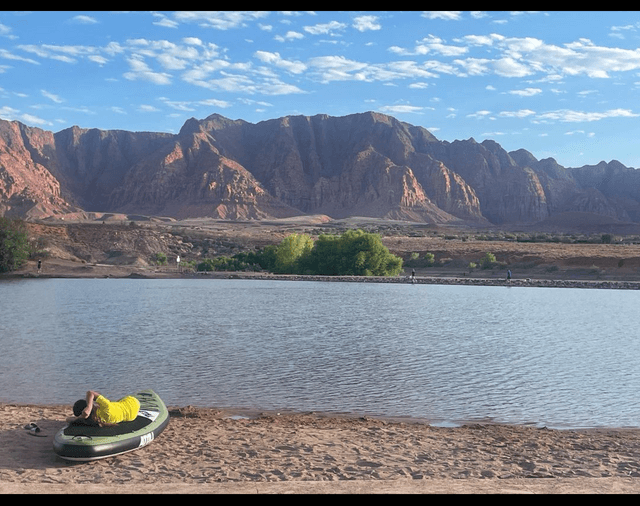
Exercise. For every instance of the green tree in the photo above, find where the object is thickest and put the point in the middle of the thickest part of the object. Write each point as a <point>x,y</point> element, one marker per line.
<point>354,253</point>
<point>290,251</point>
<point>14,244</point>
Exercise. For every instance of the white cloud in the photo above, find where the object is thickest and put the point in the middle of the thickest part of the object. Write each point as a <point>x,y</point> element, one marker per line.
<point>220,20</point>
<point>479,114</point>
<point>446,15</point>
<point>84,20</point>
<point>400,109</point>
<point>522,113</point>
<point>140,71</point>
<point>10,114</point>
<point>51,96</point>
<point>335,68</point>
<point>295,67</point>
<point>290,35</point>
<point>193,41</point>
<point>473,66</point>
<point>325,28</point>
<point>364,23</point>
<point>430,44</point>
<point>223,104</point>
<point>508,67</point>
<point>31,119</point>
<point>147,108</point>
<point>527,92</point>
<point>164,21</point>
<point>10,56</point>
<point>5,31</point>
<point>569,116</point>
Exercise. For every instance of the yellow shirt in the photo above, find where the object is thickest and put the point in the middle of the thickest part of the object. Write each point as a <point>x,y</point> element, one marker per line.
<point>124,410</point>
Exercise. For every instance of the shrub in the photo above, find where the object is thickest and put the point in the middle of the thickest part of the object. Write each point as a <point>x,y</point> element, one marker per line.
<point>14,244</point>
<point>430,259</point>
<point>488,261</point>
<point>159,258</point>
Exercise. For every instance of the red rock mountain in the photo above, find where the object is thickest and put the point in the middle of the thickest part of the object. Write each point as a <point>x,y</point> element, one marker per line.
<point>365,164</point>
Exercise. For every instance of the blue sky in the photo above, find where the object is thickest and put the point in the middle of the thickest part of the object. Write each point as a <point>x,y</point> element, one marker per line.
<point>559,84</point>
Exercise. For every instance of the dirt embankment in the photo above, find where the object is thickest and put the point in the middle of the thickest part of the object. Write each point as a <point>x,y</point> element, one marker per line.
<point>123,247</point>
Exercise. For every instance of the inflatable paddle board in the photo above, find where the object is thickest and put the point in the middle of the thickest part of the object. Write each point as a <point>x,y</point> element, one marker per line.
<point>84,442</point>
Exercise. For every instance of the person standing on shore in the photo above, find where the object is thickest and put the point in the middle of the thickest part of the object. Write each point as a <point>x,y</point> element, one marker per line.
<point>509,276</point>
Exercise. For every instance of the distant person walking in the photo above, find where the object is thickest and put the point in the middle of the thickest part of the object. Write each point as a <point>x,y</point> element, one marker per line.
<point>39,266</point>
<point>509,276</point>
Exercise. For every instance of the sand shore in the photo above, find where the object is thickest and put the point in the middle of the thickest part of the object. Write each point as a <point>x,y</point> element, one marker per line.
<point>237,451</point>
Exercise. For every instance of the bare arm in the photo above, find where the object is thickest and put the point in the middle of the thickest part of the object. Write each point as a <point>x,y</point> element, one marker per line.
<point>86,412</point>
<point>91,396</point>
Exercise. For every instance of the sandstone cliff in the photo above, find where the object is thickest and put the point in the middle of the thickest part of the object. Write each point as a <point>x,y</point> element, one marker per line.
<point>365,164</point>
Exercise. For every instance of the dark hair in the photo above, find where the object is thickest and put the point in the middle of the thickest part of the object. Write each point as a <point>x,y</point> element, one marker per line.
<point>79,406</point>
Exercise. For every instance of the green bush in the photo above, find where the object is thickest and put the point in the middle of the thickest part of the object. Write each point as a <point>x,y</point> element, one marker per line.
<point>354,253</point>
<point>430,259</point>
<point>159,258</point>
<point>14,244</point>
<point>488,261</point>
<point>239,262</point>
<point>290,253</point>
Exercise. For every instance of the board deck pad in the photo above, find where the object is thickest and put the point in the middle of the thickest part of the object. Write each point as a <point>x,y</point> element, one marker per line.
<point>79,429</point>
<point>86,442</point>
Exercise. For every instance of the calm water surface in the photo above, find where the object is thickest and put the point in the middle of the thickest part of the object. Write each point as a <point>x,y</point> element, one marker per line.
<point>558,357</point>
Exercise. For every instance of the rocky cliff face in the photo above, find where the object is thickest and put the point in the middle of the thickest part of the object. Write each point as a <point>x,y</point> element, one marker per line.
<point>365,164</point>
<point>27,186</point>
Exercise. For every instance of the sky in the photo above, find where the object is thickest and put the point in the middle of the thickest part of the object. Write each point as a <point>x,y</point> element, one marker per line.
<point>559,84</point>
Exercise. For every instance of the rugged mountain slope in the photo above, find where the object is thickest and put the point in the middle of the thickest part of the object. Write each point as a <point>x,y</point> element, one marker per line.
<point>365,164</point>
<point>27,187</point>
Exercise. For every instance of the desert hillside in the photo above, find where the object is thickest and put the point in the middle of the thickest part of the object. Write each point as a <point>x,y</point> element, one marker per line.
<point>117,245</point>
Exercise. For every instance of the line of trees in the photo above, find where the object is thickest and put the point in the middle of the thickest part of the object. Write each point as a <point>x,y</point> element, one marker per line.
<point>354,253</point>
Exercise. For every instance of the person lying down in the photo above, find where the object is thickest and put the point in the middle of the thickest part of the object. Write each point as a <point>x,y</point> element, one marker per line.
<point>99,411</point>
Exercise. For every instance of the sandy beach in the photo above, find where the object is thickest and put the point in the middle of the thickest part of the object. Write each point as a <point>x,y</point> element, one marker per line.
<point>242,452</point>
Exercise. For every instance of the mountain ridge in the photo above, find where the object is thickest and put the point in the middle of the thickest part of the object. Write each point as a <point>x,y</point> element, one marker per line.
<point>365,164</point>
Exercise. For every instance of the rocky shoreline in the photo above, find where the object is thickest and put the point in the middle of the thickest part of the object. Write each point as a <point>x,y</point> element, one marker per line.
<point>119,272</point>
<point>425,280</point>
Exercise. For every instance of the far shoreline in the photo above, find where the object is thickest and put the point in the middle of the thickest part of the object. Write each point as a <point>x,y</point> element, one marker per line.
<point>121,272</point>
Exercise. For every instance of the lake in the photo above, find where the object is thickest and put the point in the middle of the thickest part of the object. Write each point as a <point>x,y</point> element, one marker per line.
<point>555,357</point>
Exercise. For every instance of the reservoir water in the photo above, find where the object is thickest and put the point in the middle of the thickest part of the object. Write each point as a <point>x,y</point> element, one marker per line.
<point>555,357</point>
